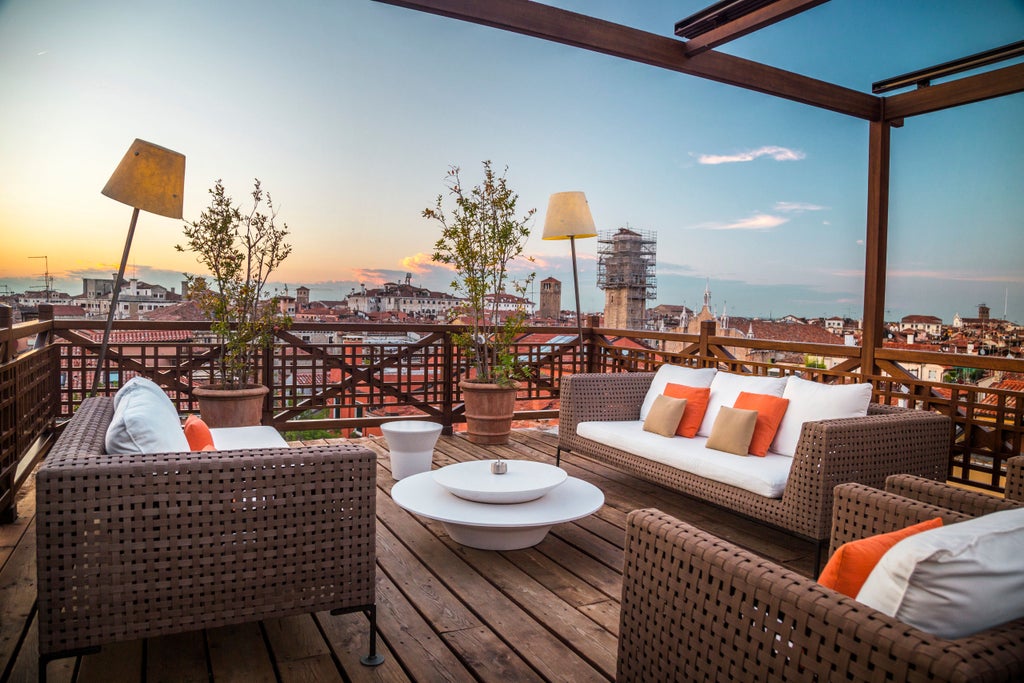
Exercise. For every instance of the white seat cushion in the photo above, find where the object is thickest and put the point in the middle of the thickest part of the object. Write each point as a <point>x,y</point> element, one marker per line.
<point>144,421</point>
<point>956,580</point>
<point>764,476</point>
<point>813,401</point>
<point>235,438</point>
<point>726,387</point>
<point>676,374</point>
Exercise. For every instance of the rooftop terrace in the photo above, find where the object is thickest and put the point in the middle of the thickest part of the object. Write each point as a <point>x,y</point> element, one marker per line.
<point>445,612</point>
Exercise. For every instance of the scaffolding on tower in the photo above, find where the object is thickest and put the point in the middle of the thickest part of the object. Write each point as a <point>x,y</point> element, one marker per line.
<point>626,260</point>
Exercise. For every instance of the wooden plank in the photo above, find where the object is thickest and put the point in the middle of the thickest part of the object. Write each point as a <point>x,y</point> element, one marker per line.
<point>114,662</point>
<point>178,658</point>
<point>577,631</point>
<point>17,593</point>
<point>748,23</point>
<point>997,83</point>
<point>239,655</point>
<point>299,651</point>
<point>561,26</point>
<point>532,640</point>
<point>485,652</point>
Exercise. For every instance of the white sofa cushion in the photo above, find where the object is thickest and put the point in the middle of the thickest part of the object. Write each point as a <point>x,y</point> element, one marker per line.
<point>956,580</point>
<point>812,401</point>
<point>726,387</point>
<point>144,422</point>
<point>259,436</point>
<point>679,375</point>
<point>764,476</point>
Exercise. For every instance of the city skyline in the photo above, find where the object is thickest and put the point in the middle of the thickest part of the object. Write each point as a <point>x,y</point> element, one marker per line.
<point>350,113</point>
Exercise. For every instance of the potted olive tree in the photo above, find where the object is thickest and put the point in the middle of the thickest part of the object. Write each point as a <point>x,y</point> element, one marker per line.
<point>481,235</point>
<point>239,249</point>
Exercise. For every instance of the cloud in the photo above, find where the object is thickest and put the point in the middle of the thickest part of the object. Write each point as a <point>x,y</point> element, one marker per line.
<point>420,263</point>
<point>797,207</point>
<point>759,221</point>
<point>776,153</point>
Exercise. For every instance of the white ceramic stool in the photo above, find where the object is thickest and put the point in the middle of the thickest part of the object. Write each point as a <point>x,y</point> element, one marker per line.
<point>411,443</point>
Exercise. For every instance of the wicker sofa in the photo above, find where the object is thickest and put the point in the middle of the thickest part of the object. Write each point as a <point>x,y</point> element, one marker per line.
<point>888,440</point>
<point>698,608</point>
<point>135,546</point>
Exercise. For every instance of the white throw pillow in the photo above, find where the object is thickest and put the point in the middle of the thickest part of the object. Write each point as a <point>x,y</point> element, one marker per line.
<point>955,580</point>
<point>144,422</point>
<point>139,383</point>
<point>726,387</point>
<point>812,401</point>
<point>677,374</point>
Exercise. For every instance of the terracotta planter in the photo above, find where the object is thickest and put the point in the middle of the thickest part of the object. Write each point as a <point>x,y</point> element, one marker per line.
<point>489,411</point>
<point>221,407</point>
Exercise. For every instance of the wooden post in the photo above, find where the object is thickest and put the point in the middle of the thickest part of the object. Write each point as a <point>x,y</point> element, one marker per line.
<point>267,378</point>
<point>707,329</point>
<point>448,385</point>
<point>875,244</point>
<point>7,343</point>
<point>592,361</point>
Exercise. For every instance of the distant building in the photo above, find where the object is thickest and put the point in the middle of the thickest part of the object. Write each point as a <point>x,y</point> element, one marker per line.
<point>136,298</point>
<point>402,297</point>
<point>550,298</point>
<point>928,324</point>
<point>625,271</point>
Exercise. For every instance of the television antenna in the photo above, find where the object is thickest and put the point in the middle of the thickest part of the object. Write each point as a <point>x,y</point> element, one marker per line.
<point>47,279</point>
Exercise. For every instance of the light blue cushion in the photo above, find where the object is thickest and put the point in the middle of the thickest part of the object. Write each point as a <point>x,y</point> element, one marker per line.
<point>145,421</point>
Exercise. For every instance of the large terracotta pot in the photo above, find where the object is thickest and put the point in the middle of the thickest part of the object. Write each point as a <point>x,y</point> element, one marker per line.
<point>220,407</point>
<point>489,411</point>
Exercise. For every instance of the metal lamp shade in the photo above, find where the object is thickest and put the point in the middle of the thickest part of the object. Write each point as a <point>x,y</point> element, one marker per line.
<point>568,216</point>
<point>150,178</point>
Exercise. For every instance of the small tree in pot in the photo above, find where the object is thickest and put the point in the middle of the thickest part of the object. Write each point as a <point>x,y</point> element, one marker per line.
<point>480,238</point>
<point>240,250</point>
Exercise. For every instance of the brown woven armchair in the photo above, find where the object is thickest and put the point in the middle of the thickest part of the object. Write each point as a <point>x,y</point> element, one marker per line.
<point>889,440</point>
<point>136,546</point>
<point>698,608</point>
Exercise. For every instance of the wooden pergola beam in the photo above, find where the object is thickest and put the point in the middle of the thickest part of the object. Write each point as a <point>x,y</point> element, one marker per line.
<point>766,16</point>
<point>997,83</point>
<point>579,30</point>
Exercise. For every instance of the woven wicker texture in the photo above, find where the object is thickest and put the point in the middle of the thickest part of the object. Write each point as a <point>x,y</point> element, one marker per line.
<point>697,608</point>
<point>969,502</point>
<point>1015,478</point>
<point>147,545</point>
<point>864,449</point>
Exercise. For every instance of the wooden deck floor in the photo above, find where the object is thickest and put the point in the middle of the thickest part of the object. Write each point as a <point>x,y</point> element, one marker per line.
<point>445,612</point>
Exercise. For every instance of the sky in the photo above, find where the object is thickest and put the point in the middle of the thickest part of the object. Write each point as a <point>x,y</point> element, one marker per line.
<point>350,112</point>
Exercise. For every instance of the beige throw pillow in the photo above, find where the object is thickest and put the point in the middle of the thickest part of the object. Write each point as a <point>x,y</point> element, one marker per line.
<point>733,430</point>
<point>665,414</point>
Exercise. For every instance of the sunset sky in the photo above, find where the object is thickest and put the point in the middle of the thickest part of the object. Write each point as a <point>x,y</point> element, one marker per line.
<point>350,113</point>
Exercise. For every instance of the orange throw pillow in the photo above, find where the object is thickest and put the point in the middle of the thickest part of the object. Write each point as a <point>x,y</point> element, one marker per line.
<point>198,434</point>
<point>848,568</point>
<point>770,410</point>
<point>696,405</point>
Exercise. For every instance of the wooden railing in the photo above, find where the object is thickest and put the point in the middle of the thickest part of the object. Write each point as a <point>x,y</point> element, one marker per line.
<point>345,377</point>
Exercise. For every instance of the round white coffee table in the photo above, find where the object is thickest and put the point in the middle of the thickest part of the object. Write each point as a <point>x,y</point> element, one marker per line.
<point>497,526</point>
<point>411,445</point>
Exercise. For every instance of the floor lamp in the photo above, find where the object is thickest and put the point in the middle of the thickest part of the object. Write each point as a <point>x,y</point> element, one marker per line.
<point>568,218</point>
<point>149,178</point>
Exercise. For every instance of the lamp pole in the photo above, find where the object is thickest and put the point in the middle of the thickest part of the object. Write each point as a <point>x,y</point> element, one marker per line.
<point>114,295</point>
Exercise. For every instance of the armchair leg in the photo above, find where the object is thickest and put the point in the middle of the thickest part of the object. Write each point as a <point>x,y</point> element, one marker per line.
<point>819,548</point>
<point>373,658</point>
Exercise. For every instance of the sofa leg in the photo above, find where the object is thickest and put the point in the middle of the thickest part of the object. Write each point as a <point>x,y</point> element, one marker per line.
<point>373,658</point>
<point>558,456</point>
<point>819,548</point>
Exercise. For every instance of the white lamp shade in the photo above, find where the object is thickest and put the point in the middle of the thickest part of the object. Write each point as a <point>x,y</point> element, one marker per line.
<point>568,216</point>
<point>151,178</point>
